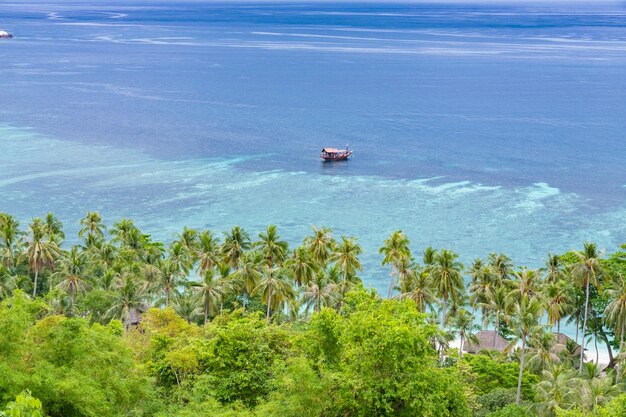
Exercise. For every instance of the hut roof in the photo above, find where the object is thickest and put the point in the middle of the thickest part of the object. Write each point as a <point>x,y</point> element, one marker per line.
<point>331,150</point>
<point>565,339</point>
<point>485,339</point>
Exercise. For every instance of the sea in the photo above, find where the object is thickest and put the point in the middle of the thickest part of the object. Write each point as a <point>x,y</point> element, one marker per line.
<point>476,127</point>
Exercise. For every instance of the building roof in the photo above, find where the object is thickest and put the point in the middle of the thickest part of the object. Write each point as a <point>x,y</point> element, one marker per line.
<point>564,339</point>
<point>485,339</point>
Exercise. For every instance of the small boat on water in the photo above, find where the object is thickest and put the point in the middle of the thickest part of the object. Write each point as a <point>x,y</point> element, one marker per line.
<point>5,35</point>
<point>334,154</point>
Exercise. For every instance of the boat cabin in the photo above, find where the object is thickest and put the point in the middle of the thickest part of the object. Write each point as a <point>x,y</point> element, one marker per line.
<point>334,154</point>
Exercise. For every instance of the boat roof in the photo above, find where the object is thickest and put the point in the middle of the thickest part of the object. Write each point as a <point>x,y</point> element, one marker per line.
<point>332,150</point>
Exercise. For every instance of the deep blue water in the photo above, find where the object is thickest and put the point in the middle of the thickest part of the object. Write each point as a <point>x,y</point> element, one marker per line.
<point>475,127</point>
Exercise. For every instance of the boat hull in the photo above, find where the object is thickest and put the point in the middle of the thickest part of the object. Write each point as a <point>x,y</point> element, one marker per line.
<point>338,157</point>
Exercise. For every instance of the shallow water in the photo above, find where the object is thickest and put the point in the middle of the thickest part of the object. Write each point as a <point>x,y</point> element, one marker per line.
<point>476,128</point>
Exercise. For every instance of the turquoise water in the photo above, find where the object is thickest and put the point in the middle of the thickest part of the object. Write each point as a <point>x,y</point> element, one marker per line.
<point>475,128</point>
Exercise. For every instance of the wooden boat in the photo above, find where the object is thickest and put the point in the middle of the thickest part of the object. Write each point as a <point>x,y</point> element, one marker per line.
<point>334,154</point>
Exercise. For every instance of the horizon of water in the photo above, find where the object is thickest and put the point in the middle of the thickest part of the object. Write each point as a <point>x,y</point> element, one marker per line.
<point>477,128</point>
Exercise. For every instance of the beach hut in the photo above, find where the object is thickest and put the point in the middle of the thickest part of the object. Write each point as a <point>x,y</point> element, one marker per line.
<point>567,342</point>
<point>485,342</point>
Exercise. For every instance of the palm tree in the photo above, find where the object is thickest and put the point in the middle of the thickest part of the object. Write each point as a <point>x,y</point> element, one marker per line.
<point>211,289</point>
<point>615,312</point>
<point>236,242</point>
<point>10,235</point>
<point>554,269</point>
<point>301,266</point>
<point>53,228</point>
<point>274,288</point>
<point>395,248</point>
<point>526,315</point>
<point>272,248</point>
<point>419,289</point>
<point>407,272</point>
<point>559,300</point>
<point>320,291</point>
<point>501,266</point>
<point>188,238</point>
<point>554,391</point>
<point>130,297</point>
<point>248,275</point>
<point>543,351</point>
<point>525,283</point>
<point>497,306</point>
<point>92,226</point>
<point>447,279</point>
<point>169,279</point>
<point>187,305</point>
<point>208,251</point>
<point>346,258</point>
<point>463,322</point>
<point>320,245</point>
<point>40,251</point>
<point>586,271</point>
<point>72,272</point>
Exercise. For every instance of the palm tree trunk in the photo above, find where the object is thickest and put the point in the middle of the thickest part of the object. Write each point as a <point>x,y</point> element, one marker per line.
<point>582,345</point>
<point>595,342</point>
<point>521,371</point>
<point>461,348</point>
<point>392,281</point>
<point>167,297</point>
<point>443,312</point>
<point>621,337</point>
<point>269,303</point>
<point>495,333</point>
<point>206,311</point>
<point>577,317</point>
<point>35,287</point>
<point>558,326</point>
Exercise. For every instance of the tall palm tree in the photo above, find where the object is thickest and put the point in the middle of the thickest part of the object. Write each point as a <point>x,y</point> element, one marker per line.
<point>274,288</point>
<point>525,283</point>
<point>72,272</point>
<point>615,312</point>
<point>129,297</point>
<point>320,291</point>
<point>346,257</point>
<point>559,302</point>
<point>188,238</point>
<point>92,226</point>
<point>271,247</point>
<point>481,286</point>
<point>419,289</point>
<point>395,248</point>
<point>463,322</point>
<point>554,269</point>
<point>407,272</point>
<point>53,228</point>
<point>208,251</point>
<point>181,256</point>
<point>320,245</point>
<point>301,266</point>
<point>40,251</point>
<point>447,279</point>
<point>169,279</point>
<point>501,266</point>
<point>586,271</point>
<point>248,275</point>
<point>188,305</point>
<point>236,242</point>
<point>525,318</point>
<point>497,307</point>
<point>10,235</point>
<point>211,289</point>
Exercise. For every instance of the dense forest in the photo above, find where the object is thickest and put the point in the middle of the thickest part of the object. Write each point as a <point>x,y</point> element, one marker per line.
<point>240,325</point>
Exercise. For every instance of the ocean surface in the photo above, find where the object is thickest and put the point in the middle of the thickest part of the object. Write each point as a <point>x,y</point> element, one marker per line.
<point>476,128</point>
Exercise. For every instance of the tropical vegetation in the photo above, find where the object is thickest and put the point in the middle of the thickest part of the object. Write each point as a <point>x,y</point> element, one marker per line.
<point>114,323</point>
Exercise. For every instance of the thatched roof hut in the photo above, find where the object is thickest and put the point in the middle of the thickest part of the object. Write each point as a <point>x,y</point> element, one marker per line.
<point>485,339</point>
<point>564,340</point>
